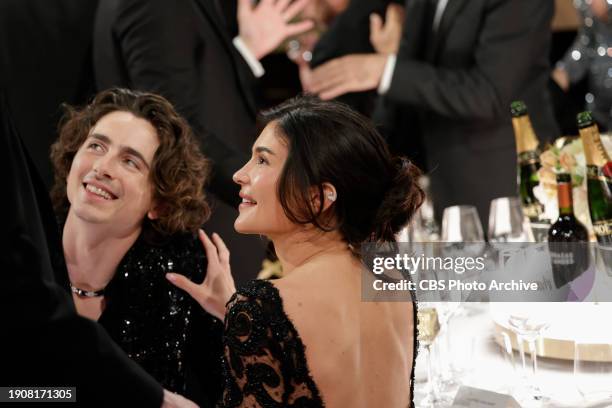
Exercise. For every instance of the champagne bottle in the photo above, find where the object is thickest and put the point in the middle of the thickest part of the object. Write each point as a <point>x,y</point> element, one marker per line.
<point>528,160</point>
<point>567,237</point>
<point>599,179</point>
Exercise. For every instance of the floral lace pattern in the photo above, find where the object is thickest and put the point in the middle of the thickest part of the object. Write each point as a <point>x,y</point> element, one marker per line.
<point>265,364</point>
<point>264,358</point>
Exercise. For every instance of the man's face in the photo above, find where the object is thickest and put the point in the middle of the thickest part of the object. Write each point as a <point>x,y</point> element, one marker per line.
<point>109,179</point>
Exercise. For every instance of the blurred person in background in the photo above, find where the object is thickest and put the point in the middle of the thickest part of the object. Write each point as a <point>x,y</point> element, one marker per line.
<point>347,33</point>
<point>451,84</point>
<point>184,51</point>
<point>46,48</point>
<point>590,56</point>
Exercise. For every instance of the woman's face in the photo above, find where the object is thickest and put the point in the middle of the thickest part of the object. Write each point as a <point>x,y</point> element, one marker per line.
<point>109,177</point>
<point>260,210</point>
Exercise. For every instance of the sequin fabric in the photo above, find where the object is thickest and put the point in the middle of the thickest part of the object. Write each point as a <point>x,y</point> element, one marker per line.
<point>265,364</point>
<point>591,55</point>
<point>158,325</point>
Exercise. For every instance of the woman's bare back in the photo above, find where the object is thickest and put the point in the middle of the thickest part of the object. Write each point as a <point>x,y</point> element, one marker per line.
<point>360,354</point>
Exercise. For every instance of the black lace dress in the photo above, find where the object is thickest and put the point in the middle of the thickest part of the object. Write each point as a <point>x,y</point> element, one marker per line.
<point>158,325</point>
<point>265,363</point>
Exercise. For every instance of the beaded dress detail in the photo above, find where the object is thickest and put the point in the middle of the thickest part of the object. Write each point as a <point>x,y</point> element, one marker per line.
<point>265,363</point>
<point>264,358</point>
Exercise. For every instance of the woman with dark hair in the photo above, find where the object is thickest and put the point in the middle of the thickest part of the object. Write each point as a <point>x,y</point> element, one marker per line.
<point>129,195</point>
<point>320,183</point>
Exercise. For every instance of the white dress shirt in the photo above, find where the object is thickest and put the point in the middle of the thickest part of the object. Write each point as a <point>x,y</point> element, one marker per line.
<point>387,76</point>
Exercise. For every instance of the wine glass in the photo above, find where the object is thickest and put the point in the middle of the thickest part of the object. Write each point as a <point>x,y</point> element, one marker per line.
<point>462,234</point>
<point>528,327</point>
<point>593,369</point>
<point>462,231</point>
<point>424,225</point>
<point>428,329</point>
<point>460,223</point>
<point>506,221</point>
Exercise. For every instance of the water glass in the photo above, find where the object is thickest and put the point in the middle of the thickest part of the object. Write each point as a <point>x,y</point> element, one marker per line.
<point>593,369</point>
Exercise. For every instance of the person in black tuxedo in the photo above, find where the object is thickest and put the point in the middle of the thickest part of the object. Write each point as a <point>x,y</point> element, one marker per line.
<point>46,47</point>
<point>459,66</point>
<point>183,51</point>
<point>44,341</point>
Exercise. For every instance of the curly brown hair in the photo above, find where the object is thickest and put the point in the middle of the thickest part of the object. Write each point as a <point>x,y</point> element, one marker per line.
<point>178,171</point>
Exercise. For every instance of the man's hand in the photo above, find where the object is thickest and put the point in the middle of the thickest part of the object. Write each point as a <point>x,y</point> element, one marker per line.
<point>351,73</point>
<point>560,76</point>
<point>263,27</point>
<point>600,9</point>
<point>385,38</point>
<point>172,400</point>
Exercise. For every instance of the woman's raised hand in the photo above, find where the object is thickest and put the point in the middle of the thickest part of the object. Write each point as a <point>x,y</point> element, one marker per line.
<point>218,286</point>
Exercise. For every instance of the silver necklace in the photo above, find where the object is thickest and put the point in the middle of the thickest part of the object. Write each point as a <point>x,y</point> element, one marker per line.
<point>86,293</point>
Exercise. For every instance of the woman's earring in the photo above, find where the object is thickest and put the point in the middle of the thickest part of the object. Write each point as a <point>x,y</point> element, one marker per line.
<point>331,196</point>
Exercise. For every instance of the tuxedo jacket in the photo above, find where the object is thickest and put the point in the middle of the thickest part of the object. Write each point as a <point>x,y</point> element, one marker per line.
<point>44,341</point>
<point>46,47</point>
<point>182,50</point>
<point>452,88</point>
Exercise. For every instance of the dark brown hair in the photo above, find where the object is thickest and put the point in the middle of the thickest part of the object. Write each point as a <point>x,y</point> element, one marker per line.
<point>328,142</point>
<point>178,171</point>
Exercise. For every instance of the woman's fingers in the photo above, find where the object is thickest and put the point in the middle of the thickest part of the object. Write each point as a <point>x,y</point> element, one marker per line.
<point>182,282</point>
<point>224,253</point>
<point>209,247</point>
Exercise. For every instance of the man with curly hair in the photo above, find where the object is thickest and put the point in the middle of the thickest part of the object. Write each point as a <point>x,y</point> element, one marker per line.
<point>129,190</point>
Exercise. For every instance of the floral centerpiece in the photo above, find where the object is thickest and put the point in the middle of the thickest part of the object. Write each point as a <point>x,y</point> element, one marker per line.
<point>566,156</point>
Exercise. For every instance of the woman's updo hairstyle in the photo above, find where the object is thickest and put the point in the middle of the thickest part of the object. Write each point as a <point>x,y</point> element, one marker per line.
<point>328,142</point>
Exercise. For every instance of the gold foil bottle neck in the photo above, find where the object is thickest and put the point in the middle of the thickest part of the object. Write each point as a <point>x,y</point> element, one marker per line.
<point>526,139</point>
<point>594,150</point>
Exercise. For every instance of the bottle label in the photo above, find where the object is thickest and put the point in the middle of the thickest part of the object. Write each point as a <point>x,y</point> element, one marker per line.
<point>594,173</point>
<point>569,260</point>
<point>528,157</point>
<point>562,258</point>
<point>603,228</point>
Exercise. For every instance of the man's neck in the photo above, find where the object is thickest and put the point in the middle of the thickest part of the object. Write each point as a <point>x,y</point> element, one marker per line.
<point>93,252</point>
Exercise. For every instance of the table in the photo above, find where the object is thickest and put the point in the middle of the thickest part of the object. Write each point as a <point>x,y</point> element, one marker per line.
<point>473,344</point>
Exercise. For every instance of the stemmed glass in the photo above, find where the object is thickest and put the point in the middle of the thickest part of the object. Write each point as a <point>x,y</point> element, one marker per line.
<point>462,235</point>
<point>506,221</point>
<point>528,327</point>
<point>428,328</point>
<point>508,230</point>
<point>460,223</point>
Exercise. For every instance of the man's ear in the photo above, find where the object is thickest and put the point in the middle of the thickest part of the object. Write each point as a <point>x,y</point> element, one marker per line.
<point>329,196</point>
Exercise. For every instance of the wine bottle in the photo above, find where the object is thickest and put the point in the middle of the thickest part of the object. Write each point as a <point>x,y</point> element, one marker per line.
<point>528,164</point>
<point>567,237</point>
<point>599,179</point>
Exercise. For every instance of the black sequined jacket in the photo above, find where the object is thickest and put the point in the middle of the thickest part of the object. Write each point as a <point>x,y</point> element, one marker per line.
<point>158,325</point>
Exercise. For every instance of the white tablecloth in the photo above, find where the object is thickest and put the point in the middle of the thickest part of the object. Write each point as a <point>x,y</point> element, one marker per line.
<point>473,347</point>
